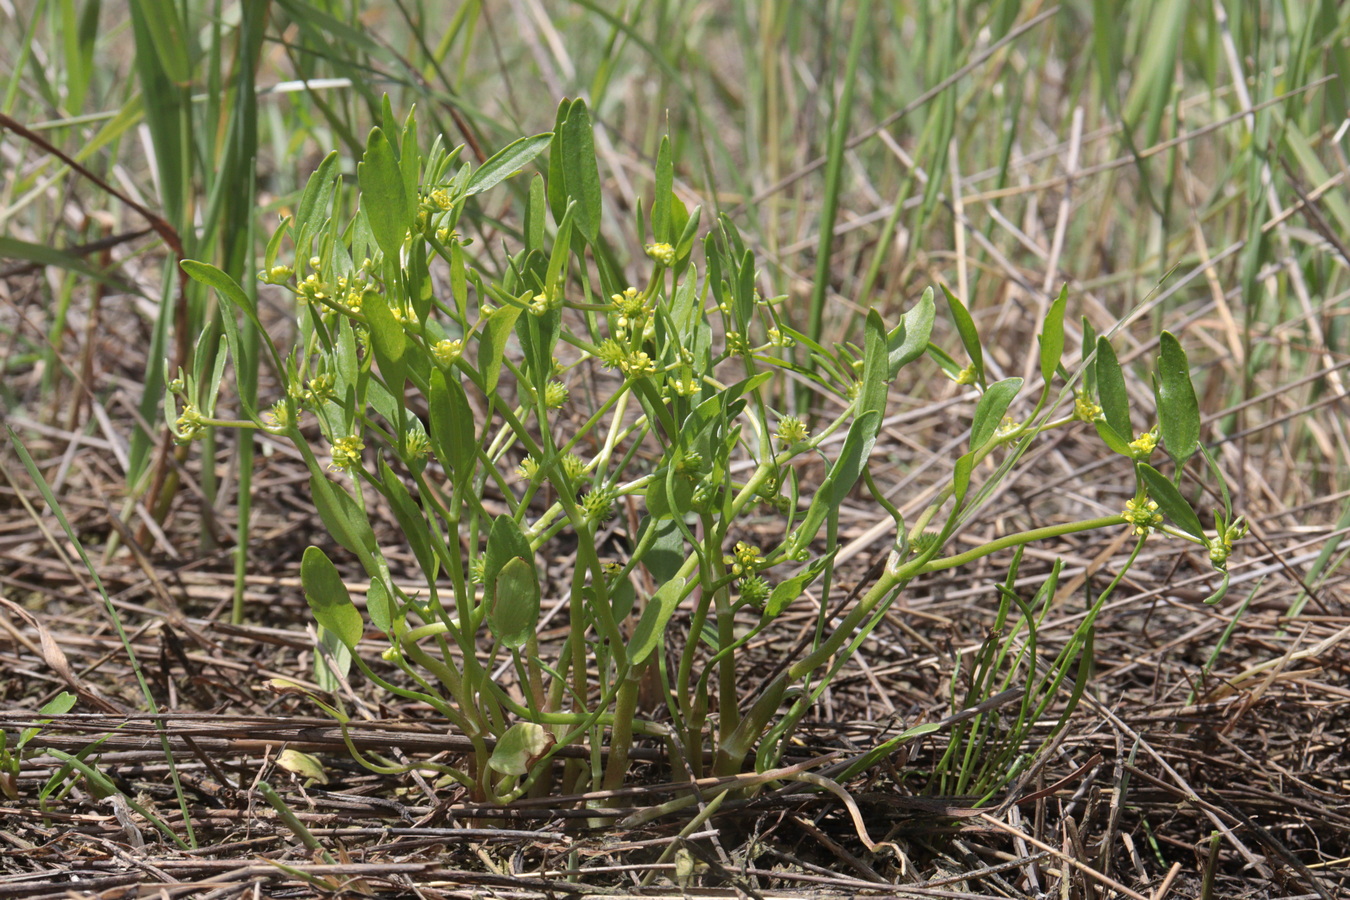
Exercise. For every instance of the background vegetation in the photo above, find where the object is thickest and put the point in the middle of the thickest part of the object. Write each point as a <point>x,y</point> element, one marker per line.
<point>1179,165</point>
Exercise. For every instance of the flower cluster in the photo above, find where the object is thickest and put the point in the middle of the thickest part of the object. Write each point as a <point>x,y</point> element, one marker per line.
<point>662,253</point>
<point>190,425</point>
<point>1143,446</point>
<point>447,351</point>
<point>1084,408</point>
<point>1142,514</point>
<point>347,452</point>
<point>1222,546</point>
<point>598,504</point>
<point>745,559</point>
<point>791,430</point>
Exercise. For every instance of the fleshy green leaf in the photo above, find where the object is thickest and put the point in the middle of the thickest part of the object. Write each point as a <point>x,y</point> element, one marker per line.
<point>876,367</point>
<point>961,476</point>
<point>665,179</point>
<point>224,285</point>
<point>507,161</point>
<point>787,591</point>
<point>410,520</point>
<point>970,336</point>
<point>652,623</point>
<point>1178,410</point>
<point>1052,339</point>
<point>492,346</point>
<point>343,518</point>
<point>505,542</point>
<point>909,339</point>
<point>989,412</point>
<point>328,598</point>
<point>580,171</point>
<point>451,428</point>
<point>1170,502</point>
<point>1111,390</point>
<point>387,340</point>
<point>378,606</point>
<point>513,614</point>
<point>518,746</point>
<point>312,210</point>
<point>1113,440</point>
<point>848,466</point>
<point>383,197</point>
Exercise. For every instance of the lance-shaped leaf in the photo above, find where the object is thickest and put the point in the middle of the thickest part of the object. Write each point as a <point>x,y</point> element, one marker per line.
<point>788,590</point>
<point>862,434</point>
<point>410,519</point>
<point>384,199</point>
<point>665,180</point>
<point>492,346</point>
<point>387,340</point>
<point>876,367</point>
<point>970,336</point>
<point>1111,389</point>
<point>652,623</point>
<point>452,435</point>
<point>507,161</point>
<point>1170,502</point>
<point>343,518</point>
<point>1052,339</point>
<point>1178,410</point>
<point>579,169</point>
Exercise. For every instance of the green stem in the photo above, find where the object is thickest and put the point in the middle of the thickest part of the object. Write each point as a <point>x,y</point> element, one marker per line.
<point>1020,538</point>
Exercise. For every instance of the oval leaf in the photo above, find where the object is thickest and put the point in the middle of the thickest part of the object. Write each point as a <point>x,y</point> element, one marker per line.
<point>520,745</point>
<point>1178,410</point>
<point>989,412</point>
<point>328,598</point>
<point>909,339</point>
<point>514,613</point>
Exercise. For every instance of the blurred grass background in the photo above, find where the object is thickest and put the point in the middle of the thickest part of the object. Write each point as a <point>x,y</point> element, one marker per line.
<point>1177,163</point>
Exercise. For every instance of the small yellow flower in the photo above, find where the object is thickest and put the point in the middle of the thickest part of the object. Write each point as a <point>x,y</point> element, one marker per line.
<point>1143,515</point>
<point>447,351</point>
<point>347,452</point>
<point>1084,408</point>
<point>1143,446</point>
<point>189,426</point>
<point>966,375</point>
<point>637,364</point>
<point>528,468</point>
<point>662,253</point>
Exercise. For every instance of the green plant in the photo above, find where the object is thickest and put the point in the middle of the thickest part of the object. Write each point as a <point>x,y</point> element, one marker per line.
<point>569,393</point>
<point>10,758</point>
